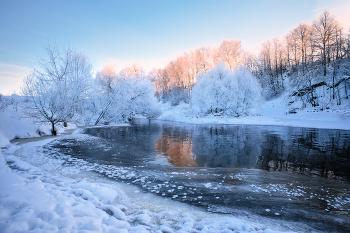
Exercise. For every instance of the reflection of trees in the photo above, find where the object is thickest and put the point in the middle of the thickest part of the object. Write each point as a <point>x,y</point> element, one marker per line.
<point>178,151</point>
<point>223,146</point>
<point>315,152</point>
<point>210,146</point>
<point>133,144</point>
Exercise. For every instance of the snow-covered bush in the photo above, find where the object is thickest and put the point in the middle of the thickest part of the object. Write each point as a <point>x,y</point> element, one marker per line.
<point>225,92</point>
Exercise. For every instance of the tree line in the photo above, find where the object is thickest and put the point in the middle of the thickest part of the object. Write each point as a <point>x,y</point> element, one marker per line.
<point>62,89</point>
<point>306,55</point>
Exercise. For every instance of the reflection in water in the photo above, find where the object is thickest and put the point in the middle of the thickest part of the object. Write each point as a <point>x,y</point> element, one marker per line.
<point>226,146</point>
<point>314,152</point>
<point>206,146</point>
<point>177,151</point>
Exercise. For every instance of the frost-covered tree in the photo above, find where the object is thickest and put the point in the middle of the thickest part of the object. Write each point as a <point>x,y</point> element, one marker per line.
<point>56,90</point>
<point>130,97</point>
<point>226,92</point>
<point>122,96</point>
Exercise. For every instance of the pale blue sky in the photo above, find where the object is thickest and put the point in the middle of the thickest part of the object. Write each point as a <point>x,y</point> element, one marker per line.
<point>149,32</point>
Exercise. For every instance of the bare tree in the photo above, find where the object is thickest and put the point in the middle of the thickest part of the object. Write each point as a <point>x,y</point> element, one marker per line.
<point>132,71</point>
<point>265,57</point>
<point>56,89</point>
<point>230,52</point>
<point>324,33</point>
<point>250,62</point>
<point>302,35</point>
<point>204,56</point>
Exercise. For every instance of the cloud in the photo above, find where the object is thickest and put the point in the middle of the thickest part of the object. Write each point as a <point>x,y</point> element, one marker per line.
<point>11,77</point>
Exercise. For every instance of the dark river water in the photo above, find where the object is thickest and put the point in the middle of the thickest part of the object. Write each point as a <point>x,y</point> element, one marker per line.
<point>287,173</point>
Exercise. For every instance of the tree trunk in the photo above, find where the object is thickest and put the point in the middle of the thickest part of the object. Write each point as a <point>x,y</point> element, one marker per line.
<point>53,130</point>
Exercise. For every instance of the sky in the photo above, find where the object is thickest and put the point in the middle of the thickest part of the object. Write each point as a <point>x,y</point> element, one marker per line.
<point>150,33</point>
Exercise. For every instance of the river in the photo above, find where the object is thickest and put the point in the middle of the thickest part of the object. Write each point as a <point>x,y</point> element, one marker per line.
<point>287,173</point>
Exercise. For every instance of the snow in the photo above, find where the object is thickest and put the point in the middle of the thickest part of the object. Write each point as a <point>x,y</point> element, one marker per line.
<point>13,125</point>
<point>4,141</point>
<point>274,112</point>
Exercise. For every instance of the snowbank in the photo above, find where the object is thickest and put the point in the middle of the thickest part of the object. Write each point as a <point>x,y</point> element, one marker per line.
<point>4,141</point>
<point>13,125</point>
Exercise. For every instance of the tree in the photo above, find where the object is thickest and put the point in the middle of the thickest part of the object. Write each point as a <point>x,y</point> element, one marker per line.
<point>324,32</point>
<point>230,52</point>
<point>226,92</point>
<point>128,93</point>
<point>58,87</point>
<point>107,76</point>
<point>132,71</point>
<point>204,57</point>
<point>302,35</point>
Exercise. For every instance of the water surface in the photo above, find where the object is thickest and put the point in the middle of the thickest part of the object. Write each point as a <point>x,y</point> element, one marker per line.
<point>295,174</point>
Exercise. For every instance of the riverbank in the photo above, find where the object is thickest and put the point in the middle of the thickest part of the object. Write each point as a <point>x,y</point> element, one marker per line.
<point>274,112</point>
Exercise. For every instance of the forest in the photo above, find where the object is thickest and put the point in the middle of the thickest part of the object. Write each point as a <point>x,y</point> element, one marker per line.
<point>311,62</point>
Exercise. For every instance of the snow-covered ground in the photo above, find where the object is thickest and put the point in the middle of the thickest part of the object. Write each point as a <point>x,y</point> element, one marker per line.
<point>52,198</point>
<point>274,112</point>
<point>14,125</point>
